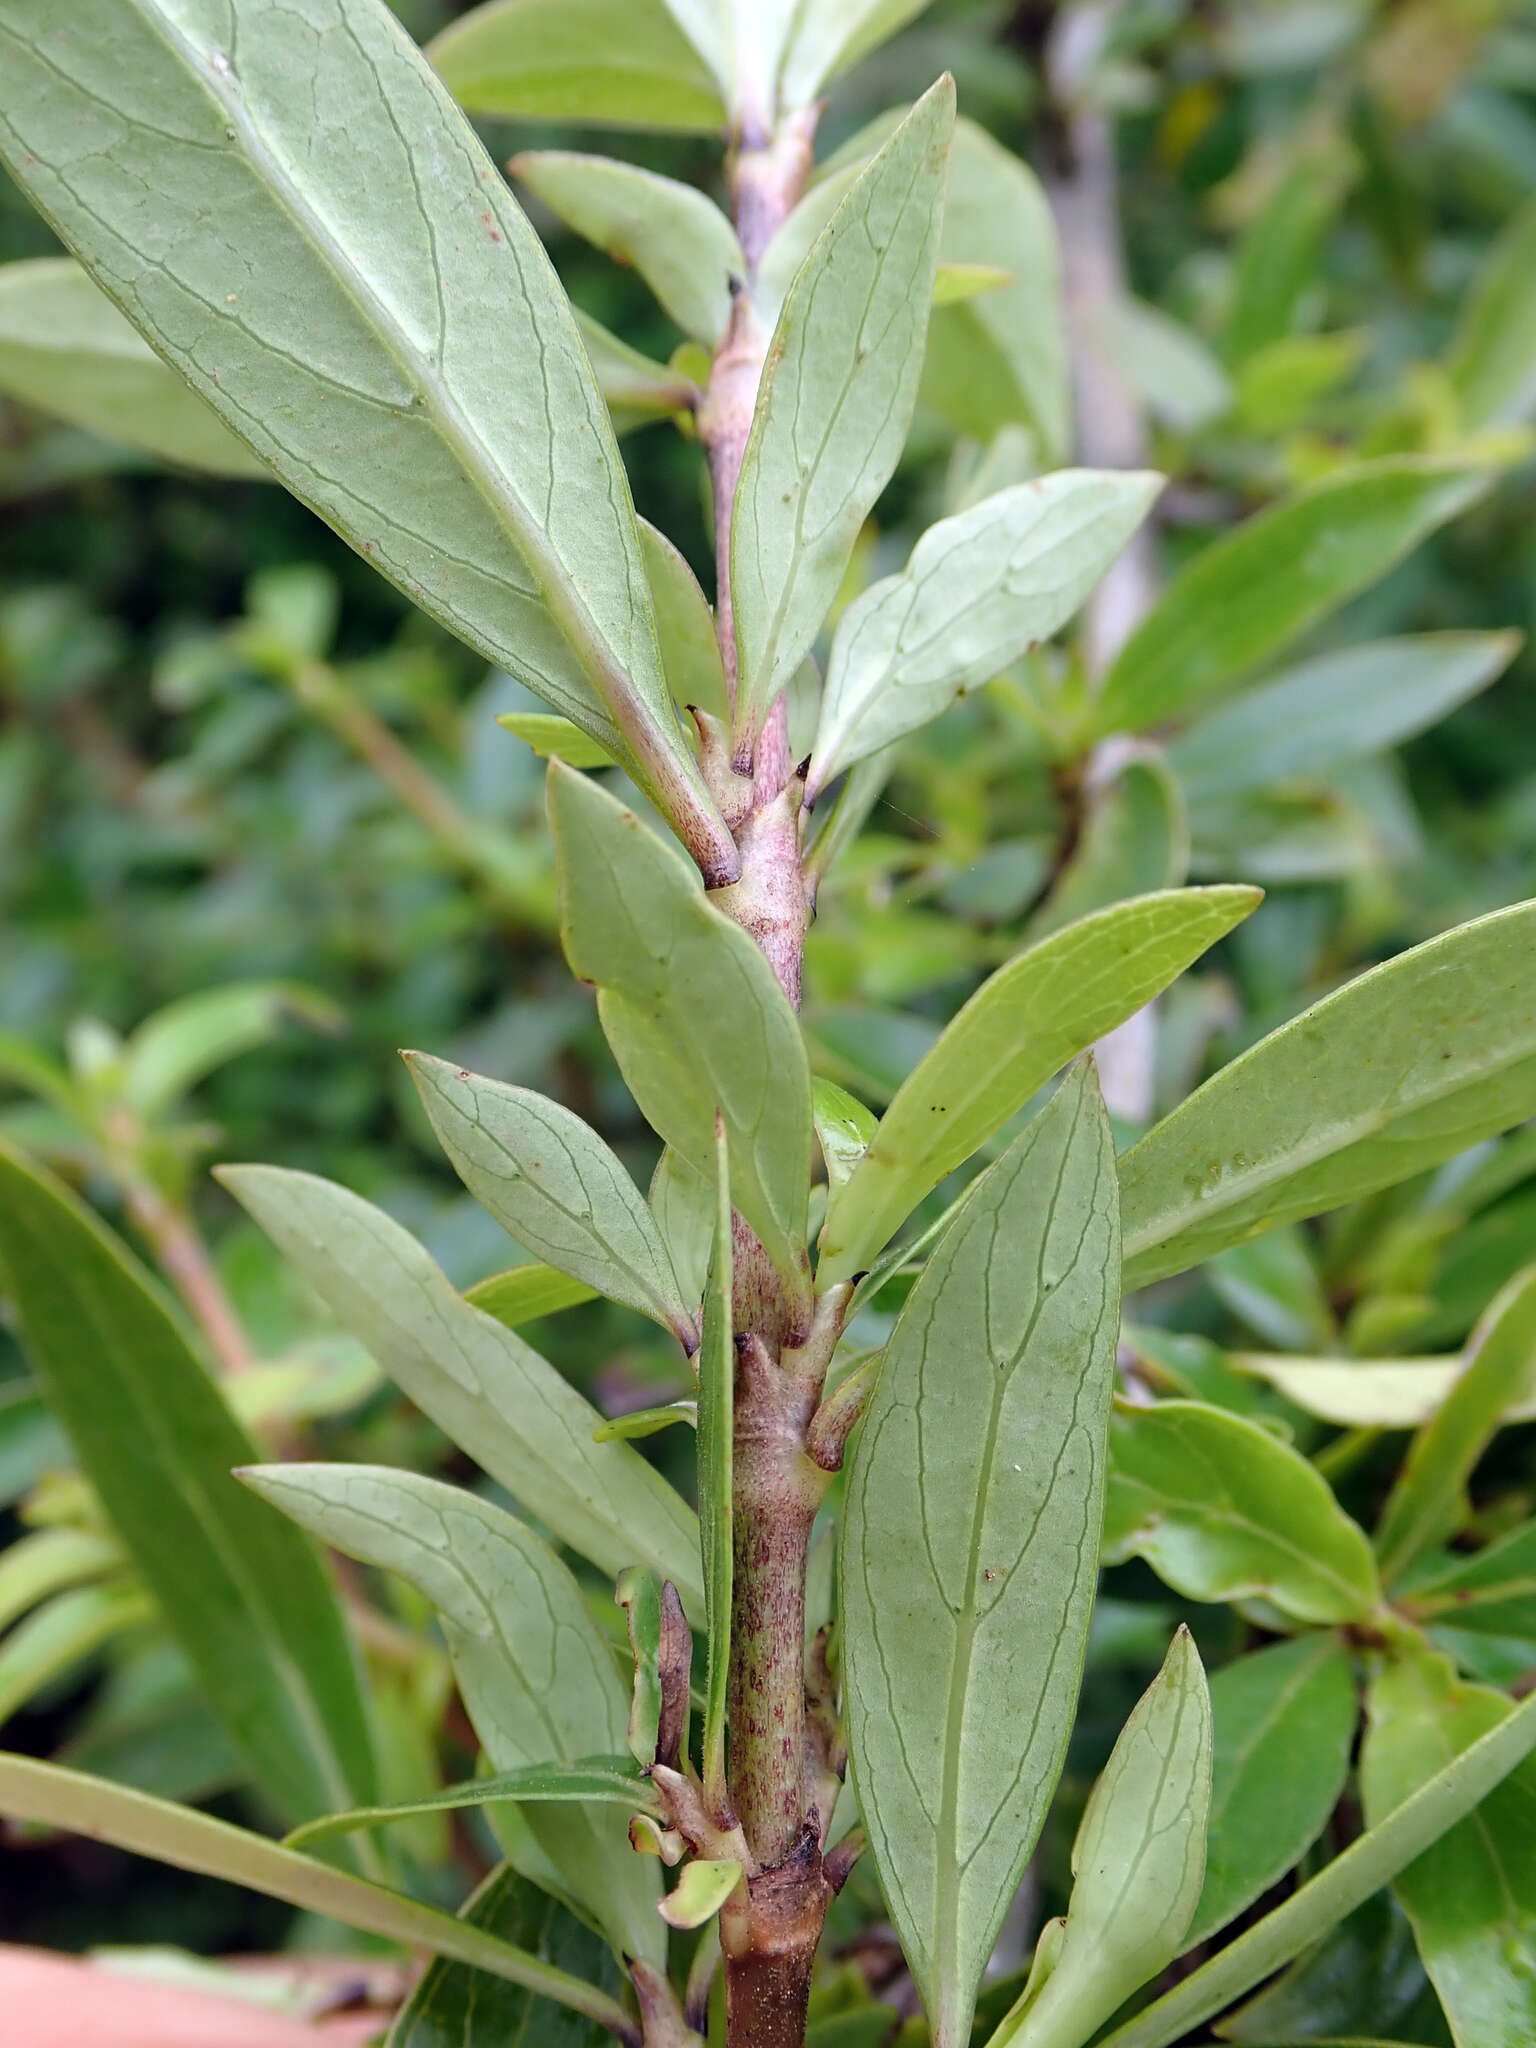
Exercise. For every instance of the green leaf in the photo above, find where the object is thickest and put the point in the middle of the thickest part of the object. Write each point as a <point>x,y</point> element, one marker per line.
<point>1365,1393</point>
<point>636,390</point>
<point>835,402</point>
<point>844,1129</point>
<point>246,1596</point>
<point>690,651</point>
<point>1285,1721</point>
<point>971,1540</point>
<point>701,1890</point>
<point>360,297</point>
<point>638,1422</point>
<point>691,1008</point>
<point>31,1791</point>
<point>1222,1510</point>
<point>1034,1014</point>
<point>174,1049</point>
<point>537,1678</point>
<point>1135,841</point>
<point>1491,1591</point>
<point>1244,598</point>
<point>979,590</point>
<point>609,1780</point>
<point>513,1413</point>
<point>58,1636</point>
<point>1279,256</point>
<point>1371,1860</point>
<point>1471,1898</point>
<point>1274,1286</point>
<point>556,737</point>
<point>673,235</point>
<point>609,62</point>
<point>683,1203</point>
<point>1492,357</point>
<point>1429,1493</point>
<point>524,1293</point>
<point>1403,1067</point>
<point>457,2006</point>
<point>639,1594</point>
<point>47,1561</point>
<point>1138,1861</point>
<point>1337,708</point>
<point>717,1395</point>
<point>1180,381</point>
<point>551,1183</point>
<point>829,36</point>
<point>66,349</point>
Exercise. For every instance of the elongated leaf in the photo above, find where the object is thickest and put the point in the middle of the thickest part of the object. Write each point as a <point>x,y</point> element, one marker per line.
<point>639,1594</point>
<point>691,1008</point>
<point>690,651</point>
<point>45,1793</point>
<point>1371,1860</point>
<point>537,1678</point>
<point>1135,841</point>
<point>717,1394</point>
<point>969,1553</point>
<point>511,1410</point>
<point>1222,1510</point>
<point>980,589</point>
<point>608,1780</point>
<point>1138,1861</point>
<point>524,1293</point>
<point>1492,357</point>
<point>245,1596</point>
<point>1277,259</point>
<point>683,1203</point>
<point>1491,1591</point>
<point>1429,1492</point>
<point>638,1422</point>
<point>637,390</point>
<point>1285,1721</point>
<point>171,1051</point>
<point>1402,1068</point>
<point>65,348</point>
<point>831,35</point>
<point>603,61</point>
<point>1036,1013</point>
<point>1337,708</point>
<point>836,401</point>
<point>1472,1897</point>
<point>678,240</point>
<point>56,1638</point>
<point>550,1181</point>
<point>1249,594</point>
<point>338,288</point>
<point>550,735</point>
<point>47,1561</point>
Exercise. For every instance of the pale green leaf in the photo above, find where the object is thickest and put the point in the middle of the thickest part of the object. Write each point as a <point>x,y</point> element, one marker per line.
<point>829,36</point>
<point>1223,1510</point>
<point>1337,708</point>
<point>246,1597</point>
<point>971,1541</point>
<point>690,651</point>
<point>537,1678</point>
<point>355,290</point>
<point>1033,1015</point>
<point>44,1793</point>
<point>638,1592</point>
<point>1279,256</point>
<point>1492,357</point>
<point>844,1128</point>
<point>619,63</point>
<point>1180,380</point>
<point>673,235</point>
<point>701,1890</point>
<point>637,1422</point>
<point>65,348</point>
<point>56,1638</point>
<point>1135,840</point>
<point>1138,1861</point>
<point>1366,1393</point>
<point>607,1780</point>
<point>691,1008</point>
<point>524,1293</point>
<point>1402,1068</point>
<point>513,1413</point>
<point>1248,595</point>
<point>1285,1723</point>
<point>980,589</point>
<point>637,390</point>
<point>835,402</point>
<point>172,1050</point>
<point>1428,1495</point>
<point>1471,1898</point>
<point>683,1203</point>
<point>716,1464</point>
<point>552,1183</point>
<point>47,1561</point>
<point>556,738</point>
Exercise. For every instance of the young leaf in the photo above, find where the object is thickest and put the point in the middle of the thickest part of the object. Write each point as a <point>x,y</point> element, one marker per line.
<point>58,1637</point>
<point>622,63</point>
<point>1492,357</point>
<point>537,1679</point>
<point>844,1129</point>
<point>514,1414</point>
<point>552,1183</point>
<point>1285,1721</point>
<point>245,1596</point>
<point>691,1008</point>
<point>556,738</point>
<point>638,1422</point>
<point>969,1553</point>
<point>457,2006</point>
<point>683,1203</point>
<point>1249,594</point>
<point>636,390</point>
<point>717,1394</point>
<point>700,1892</point>
<point>690,651</point>
<point>1337,708</point>
<point>524,1293</point>
<point>1403,1067</point>
<point>65,348</point>
<point>980,589</point>
<point>343,324</point>
<point>1371,1860</point>
<point>829,36</point>
<point>36,1566</point>
<point>1021,1026</point>
<point>1423,1506</point>
<point>835,402</point>
<point>172,1050</point>
<point>678,240</point>
<point>1138,1861</point>
<point>1278,257</point>
<point>639,1594</point>
<point>1472,1897</point>
<point>1135,841</point>
<point>607,1780</point>
<point>1222,1510</point>
<point>1491,1591</point>
<point>44,1793</point>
